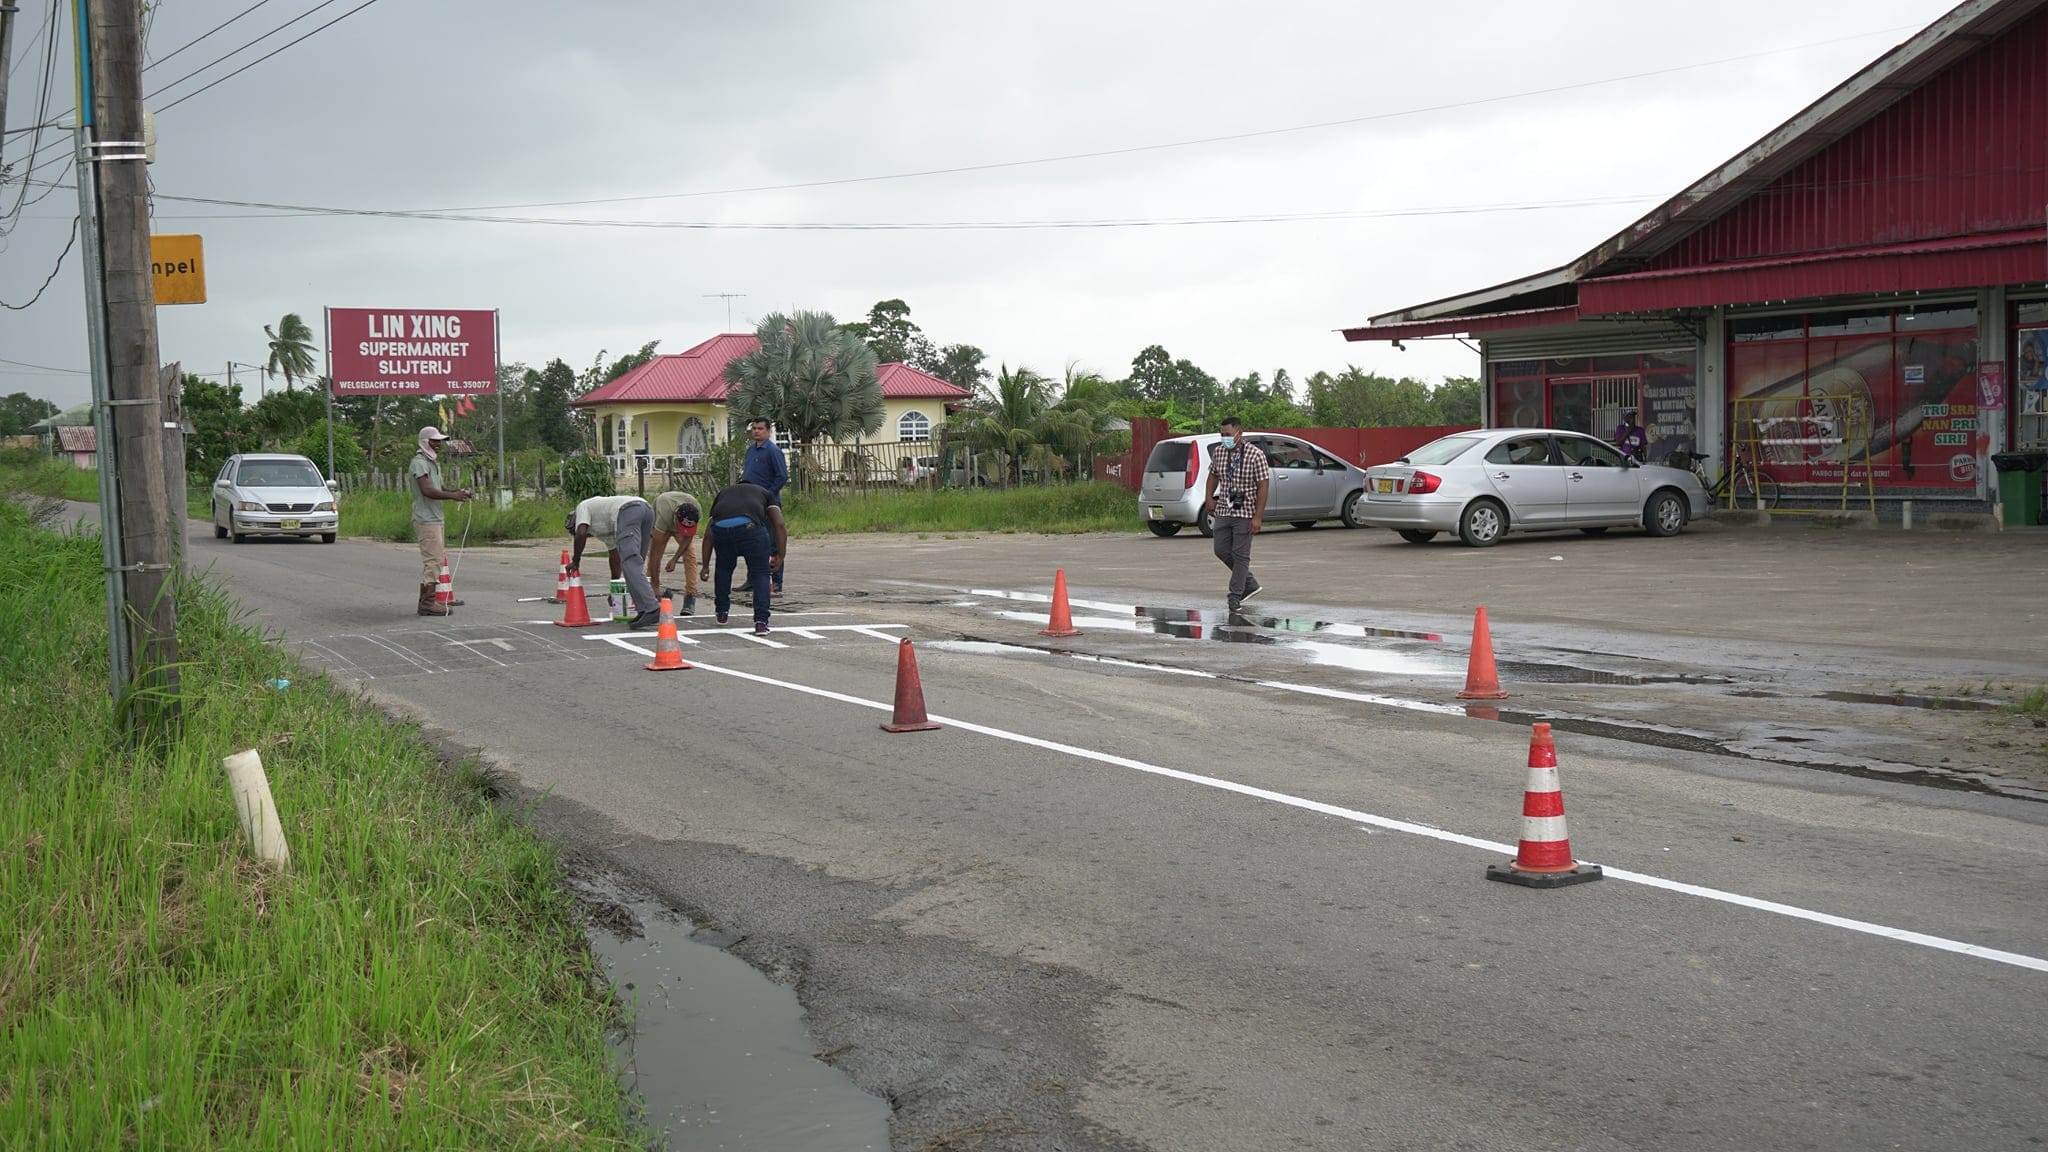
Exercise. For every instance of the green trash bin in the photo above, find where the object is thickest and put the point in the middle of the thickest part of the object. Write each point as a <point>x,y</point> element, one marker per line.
<point>2019,486</point>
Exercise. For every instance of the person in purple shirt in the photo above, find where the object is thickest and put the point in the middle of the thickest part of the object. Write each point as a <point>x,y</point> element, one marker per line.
<point>1631,438</point>
<point>764,466</point>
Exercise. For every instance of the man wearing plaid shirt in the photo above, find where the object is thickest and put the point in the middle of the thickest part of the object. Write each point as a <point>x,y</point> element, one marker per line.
<point>1238,478</point>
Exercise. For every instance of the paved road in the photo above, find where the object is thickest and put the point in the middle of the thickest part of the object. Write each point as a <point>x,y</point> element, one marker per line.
<point>1163,893</point>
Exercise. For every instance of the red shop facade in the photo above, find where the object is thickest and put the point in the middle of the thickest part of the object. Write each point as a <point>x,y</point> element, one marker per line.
<point>1860,297</point>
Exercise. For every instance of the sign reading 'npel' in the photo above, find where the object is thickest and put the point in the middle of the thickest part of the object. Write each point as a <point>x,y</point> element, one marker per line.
<point>412,351</point>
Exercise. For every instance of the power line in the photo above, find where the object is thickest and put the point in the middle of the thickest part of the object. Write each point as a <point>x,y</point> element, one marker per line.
<point>267,55</point>
<point>45,368</point>
<point>273,211</point>
<point>1190,143</point>
<point>258,40</point>
<point>52,276</point>
<point>210,31</point>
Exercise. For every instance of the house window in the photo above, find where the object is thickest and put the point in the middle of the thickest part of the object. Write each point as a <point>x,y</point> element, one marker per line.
<point>691,441</point>
<point>913,425</point>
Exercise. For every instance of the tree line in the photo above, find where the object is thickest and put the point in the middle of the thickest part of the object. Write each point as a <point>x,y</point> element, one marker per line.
<point>815,378</point>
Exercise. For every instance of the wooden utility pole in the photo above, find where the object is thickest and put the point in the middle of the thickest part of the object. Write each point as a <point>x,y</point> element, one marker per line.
<point>148,561</point>
<point>7,11</point>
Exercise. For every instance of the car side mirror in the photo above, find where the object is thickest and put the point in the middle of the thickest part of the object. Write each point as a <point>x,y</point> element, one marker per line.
<point>1631,462</point>
<point>334,486</point>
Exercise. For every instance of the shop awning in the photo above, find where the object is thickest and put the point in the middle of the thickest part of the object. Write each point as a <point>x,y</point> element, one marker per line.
<point>1464,325</point>
<point>1921,266</point>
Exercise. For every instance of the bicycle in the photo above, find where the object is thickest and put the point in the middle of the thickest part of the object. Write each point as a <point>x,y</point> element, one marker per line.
<point>1741,485</point>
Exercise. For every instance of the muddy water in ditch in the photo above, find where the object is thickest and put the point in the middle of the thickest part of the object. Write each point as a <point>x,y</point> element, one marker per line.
<point>717,1053</point>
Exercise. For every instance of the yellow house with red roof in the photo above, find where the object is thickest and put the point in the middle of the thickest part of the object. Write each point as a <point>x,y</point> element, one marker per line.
<point>672,408</point>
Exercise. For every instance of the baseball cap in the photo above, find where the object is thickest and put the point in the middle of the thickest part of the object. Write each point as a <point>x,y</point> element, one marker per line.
<point>432,433</point>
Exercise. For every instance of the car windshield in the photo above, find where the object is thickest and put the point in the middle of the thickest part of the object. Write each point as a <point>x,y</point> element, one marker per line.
<point>279,474</point>
<point>1442,451</point>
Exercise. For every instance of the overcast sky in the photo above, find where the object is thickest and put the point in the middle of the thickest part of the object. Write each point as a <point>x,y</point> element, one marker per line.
<point>456,104</point>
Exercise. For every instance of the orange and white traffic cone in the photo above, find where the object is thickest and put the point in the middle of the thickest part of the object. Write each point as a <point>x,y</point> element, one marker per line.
<point>1544,858</point>
<point>1482,680</point>
<point>444,590</point>
<point>909,715</point>
<point>1062,622</point>
<point>668,650</point>
<point>575,613</point>
<point>561,595</point>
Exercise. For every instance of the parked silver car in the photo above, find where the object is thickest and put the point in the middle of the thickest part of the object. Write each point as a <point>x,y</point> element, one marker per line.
<point>273,495</point>
<point>1308,483</point>
<point>1485,484</point>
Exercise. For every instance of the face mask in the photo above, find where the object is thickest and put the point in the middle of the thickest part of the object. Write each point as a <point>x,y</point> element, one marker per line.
<point>1227,442</point>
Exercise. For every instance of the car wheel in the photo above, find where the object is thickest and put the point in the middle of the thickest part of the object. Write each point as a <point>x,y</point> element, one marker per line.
<point>1416,535</point>
<point>329,537</point>
<point>219,533</point>
<point>1599,531</point>
<point>1303,523</point>
<point>1350,513</point>
<point>1665,514</point>
<point>1483,524</point>
<point>1163,528</point>
<point>1202,523</point>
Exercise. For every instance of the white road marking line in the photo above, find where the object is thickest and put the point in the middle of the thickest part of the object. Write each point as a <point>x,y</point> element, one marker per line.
<point>401,653</point>
<point>500,644</point>
<point>1884,931</point>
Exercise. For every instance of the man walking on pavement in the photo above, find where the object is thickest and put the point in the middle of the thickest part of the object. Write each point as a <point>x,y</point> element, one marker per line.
<point>428,526</point>
<point>624,524</point>
<point>765,467</point>
<point>745,522</point>
<point>1238,479</point>
<point>675,518</point>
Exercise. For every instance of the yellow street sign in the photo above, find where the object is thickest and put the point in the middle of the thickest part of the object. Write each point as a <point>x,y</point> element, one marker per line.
<point>179,269</point>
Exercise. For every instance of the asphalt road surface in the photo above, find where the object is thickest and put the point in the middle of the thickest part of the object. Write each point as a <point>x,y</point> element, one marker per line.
<point>1149,891</point>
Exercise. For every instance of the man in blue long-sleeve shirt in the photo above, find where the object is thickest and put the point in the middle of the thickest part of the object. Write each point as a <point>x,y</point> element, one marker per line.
<point>764,466</point>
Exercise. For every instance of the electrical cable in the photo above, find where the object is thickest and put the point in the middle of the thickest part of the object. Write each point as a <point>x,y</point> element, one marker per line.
<point>45,367</point>
<point>203,35</point>
<point>267,55</point>
<point>52,276</point>
<point>161,88</point>
<point>42,117</point>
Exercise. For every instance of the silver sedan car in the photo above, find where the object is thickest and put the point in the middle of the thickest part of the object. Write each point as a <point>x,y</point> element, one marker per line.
<point>1484,484</point>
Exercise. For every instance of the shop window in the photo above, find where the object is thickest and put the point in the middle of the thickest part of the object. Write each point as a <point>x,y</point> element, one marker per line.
<point>1850,323</point>
<point>2032,312</point>
<point>1750,329</point>
<point>913,425</point>
<point>1511,369</point>
<point>1937,319</point>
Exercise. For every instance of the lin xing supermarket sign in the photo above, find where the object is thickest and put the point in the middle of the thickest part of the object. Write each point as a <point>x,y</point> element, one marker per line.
<point>412,351</point>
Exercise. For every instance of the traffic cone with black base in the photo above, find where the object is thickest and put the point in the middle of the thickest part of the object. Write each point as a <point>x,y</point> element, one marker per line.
<point>1544,858</point>
<point>1482,680</point>
<point>668,650</point>
<point>909,715</point>
<point>1062,622</point>
<point>576,612</point>
<point>561,595</point>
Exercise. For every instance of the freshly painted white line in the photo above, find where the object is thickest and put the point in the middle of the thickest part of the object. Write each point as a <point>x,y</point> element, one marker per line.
<point>1885,931</point>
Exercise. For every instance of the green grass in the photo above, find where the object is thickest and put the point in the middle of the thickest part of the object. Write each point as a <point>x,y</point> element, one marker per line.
<point>415,980</point>
<point>388,516</point>
<point>1063,508</point>
<point>2034,703</point>
<point>22,470</point>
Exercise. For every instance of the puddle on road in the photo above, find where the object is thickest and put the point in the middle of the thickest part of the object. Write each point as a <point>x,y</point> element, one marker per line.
<point>1914,700</point>
<point>718,1053</point>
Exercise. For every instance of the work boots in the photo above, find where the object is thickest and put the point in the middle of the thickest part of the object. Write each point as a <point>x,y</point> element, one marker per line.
<point>427,605</point>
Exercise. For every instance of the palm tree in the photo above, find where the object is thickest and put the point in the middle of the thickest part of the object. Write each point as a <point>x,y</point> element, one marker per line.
<point>811,378</point>
<point>291,350</point>
<point>1008,419</point>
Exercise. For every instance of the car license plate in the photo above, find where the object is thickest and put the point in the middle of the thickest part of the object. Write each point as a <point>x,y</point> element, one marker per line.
<point>1383,485</point>
<point>1158,512</point>
<point>287,525</point>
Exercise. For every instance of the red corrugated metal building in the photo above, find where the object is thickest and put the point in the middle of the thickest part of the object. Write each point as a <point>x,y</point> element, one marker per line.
<point>1861,295</point>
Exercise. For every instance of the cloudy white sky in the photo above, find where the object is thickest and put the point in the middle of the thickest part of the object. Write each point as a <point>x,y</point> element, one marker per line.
<point>733,114</point>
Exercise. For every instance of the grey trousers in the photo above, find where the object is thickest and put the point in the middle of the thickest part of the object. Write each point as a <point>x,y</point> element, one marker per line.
<point>636,522</point>
<point>1234,548</point>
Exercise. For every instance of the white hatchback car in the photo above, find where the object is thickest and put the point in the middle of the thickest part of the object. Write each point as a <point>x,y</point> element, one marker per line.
<point>273,494</point>
<point>1487,483</point>
<point>1308,484</point>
